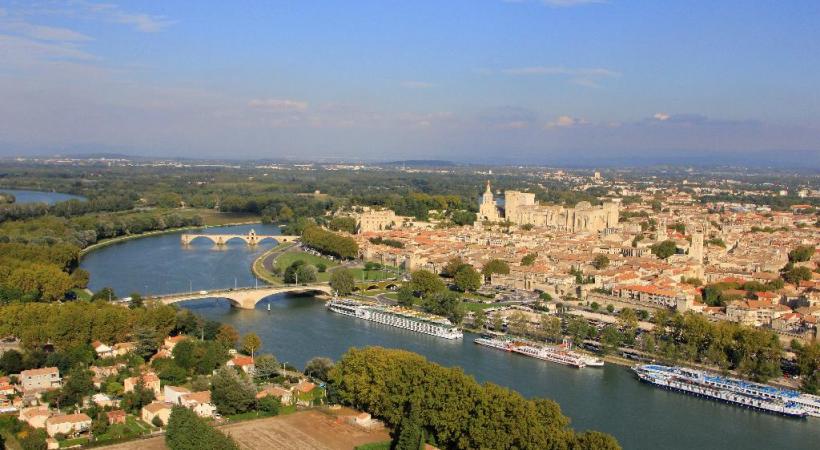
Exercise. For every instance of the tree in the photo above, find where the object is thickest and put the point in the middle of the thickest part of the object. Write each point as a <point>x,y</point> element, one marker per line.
<point>269,405</point>
<point>495,266</point>
<point>445,303</point>
<point>551,327</point>
<point>664,249</point>
<point>801,253</point>
<point>424,283</point>
<point>250,343</point>
<point>157,422</point>
<point>231,392</point>
<point>266,367</point>
<point>307,273</point>
<point>104,294</point>
<point>479,318</point>
<point>11,361</point>
<point>136,301</point>
<point>405,296</point>
<point>797,274</point>
<point>79,383</point>
<point>467,279</point>
<point>319,368</point>
<point>600,262</point>
<point>452,266</point>
<point>227,335</point>
<point>528,259</point>
<point>183,354</point>
<point>595,440</point>
<point>187,431</point>
<point>610,308</point>
<point>147,342</point>
<point>341,281</point>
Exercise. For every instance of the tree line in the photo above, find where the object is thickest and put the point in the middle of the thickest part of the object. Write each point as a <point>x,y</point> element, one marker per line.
<point>423,401</point>
<point>330,243</point>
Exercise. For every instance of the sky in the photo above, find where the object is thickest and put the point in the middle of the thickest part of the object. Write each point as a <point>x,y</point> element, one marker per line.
<point>508,81</point>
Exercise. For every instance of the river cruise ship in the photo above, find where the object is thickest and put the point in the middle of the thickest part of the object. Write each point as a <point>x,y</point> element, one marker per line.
<point>561,354</point>
<point>397,317</point>
<point>730,390</point>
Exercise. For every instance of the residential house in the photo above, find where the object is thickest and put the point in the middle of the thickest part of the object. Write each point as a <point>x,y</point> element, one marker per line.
<point>172,341</point>
<point>123,348</point>
<point>116,416</point>
<point>199,402</point>
<point>45,378</point>
<point>284,395</point>
<point>103,350</point>
<point>101,373</point>
<point>68,424</point>
<point>157,409</point>
<point>171,394</point>
<point>35,416</point>
<point>243,362</point>
<point>103,400</point>
<point>149,379</point>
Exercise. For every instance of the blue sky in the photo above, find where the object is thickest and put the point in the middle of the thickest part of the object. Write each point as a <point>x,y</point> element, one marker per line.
<point>473,80</point>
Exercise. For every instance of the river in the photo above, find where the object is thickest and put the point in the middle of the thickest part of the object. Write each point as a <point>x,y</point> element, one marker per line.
<point>299,327</point>
<point>24,196</point>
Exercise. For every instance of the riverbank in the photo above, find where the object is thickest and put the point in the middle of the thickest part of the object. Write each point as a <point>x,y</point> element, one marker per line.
<point>258,267</point>
<point>106,242</point>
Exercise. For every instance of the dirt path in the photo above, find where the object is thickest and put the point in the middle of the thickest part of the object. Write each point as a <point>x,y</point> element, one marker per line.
<point>305,430</point>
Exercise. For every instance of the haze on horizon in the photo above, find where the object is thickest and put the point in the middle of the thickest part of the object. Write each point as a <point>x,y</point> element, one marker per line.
<point>567,81</point>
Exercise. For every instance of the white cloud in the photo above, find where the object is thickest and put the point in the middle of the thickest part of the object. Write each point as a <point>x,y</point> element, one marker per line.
<point>142,22</point>
<point>279,105</point>
<point>566,122</point>
<point>588,77</point>
<point>661,116</point>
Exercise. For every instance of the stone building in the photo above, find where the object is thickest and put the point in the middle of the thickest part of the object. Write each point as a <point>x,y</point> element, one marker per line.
<point>488,210</point>
<point>377,220</point>
<point>521,208</point>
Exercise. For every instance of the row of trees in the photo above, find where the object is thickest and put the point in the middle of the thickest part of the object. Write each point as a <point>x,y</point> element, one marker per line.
<point>330,243</point>
<point>423,401</point>
<point>78,323</point>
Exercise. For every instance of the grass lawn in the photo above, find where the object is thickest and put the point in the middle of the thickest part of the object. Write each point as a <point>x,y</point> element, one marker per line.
<point>286,259</point>
<point>81,294</point>
<point>375,446</point>
<point>73,442</point>
<point>212,217</point>
<point>251,415</point>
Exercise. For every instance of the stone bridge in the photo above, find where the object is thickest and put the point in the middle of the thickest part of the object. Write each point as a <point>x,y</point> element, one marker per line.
<point>251,238</point>
<point>244,298</point>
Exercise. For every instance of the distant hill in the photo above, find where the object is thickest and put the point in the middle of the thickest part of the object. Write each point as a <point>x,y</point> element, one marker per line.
<point>422,163</point>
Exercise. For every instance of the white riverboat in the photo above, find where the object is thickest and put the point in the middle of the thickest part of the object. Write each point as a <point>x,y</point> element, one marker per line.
<point>561,354</point>
<point>730,390</point>
<point>397,317</point>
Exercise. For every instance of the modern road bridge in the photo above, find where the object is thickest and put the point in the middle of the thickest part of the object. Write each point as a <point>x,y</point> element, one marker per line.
<point>251,238</point>
<point>245,298</point>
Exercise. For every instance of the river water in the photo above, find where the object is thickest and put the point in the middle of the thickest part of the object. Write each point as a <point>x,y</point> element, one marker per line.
<point>24,196</point>
<point>299,327</point>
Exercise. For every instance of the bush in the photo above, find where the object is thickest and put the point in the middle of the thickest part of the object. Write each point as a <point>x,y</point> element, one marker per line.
<point>187,431</point>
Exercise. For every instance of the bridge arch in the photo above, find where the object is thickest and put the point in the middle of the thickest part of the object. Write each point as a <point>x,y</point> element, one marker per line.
<point>246,298</point>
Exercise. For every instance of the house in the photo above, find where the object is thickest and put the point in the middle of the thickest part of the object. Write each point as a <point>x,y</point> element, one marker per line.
<point>243,362</point>
<point>172,341</point>
<point>6,388</point>
<point>115,416</point>
<point>45,378</point>
<point>35,416</point>
<point>150,380</point>
<point>156,409</point>
<point>103,350</point>
<point>123,348</point>
<point>68,424</point>
<point>102,400</point>
<point>101,373</point>
<point>305,387</point>
<point>171,394</point>
<point>199,402</point>
<point>285,396</point>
